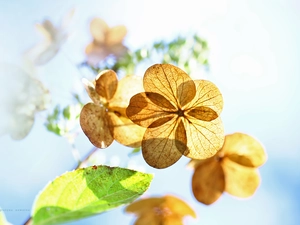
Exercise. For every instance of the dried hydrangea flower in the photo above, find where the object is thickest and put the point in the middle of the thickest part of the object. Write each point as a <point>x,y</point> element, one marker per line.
<point>181,116</point>
<point>104,119</point>
<point>106,41</point>
<point>233,169</point>
<point>166,210</point>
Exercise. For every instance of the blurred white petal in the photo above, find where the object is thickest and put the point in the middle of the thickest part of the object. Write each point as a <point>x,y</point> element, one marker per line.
<point>53,39</point>
<point>21,97</point>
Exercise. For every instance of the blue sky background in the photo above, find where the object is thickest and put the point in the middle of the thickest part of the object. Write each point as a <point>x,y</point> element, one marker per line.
<point>254,60</point>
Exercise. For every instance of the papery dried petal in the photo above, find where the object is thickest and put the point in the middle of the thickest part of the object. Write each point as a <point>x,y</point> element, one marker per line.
<point>208,95</point>
<point>204,139</point>
<point>95,124</point>
<point>144,112</point>
<point>159,146</point>
<point>106,84</point>
<point>128,86</point>
<point>125,131</point>
<point>203,113</point>
<point>170,82</point>
<point>208,182</point>
<point>244,149</point>
<point>240,181</point>
<point>90,89</point>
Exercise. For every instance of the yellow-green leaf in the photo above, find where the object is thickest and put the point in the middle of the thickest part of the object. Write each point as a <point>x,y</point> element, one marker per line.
<point>86,192</point>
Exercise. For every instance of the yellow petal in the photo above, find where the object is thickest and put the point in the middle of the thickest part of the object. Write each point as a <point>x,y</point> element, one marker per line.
<point>95,125</point>
<point>244,149</point>
<point>106,84</point>
<point>204,139</point>
<point>240,181</point>
<point>172,220</point>
<point>144,112</point>
<point>171,82</point>
<point>178,206</point>
<point>125,131</point>
<point>208,95</point>
<point>149,218</point>
<point>159,146</point>
<point>98,28</point>
<point>115,35</point>
<point>208,181</point>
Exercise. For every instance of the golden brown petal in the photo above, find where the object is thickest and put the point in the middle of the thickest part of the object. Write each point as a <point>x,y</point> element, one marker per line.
<point>208,181</point>
<point>128,86</point>
<point>115,35</point>
<point>171,82</point>
<point>94,123</point>
<point>106,84</point>
<point>144,205</point>
<point>125,131</point>
<point>98,28</point>
<point>204,139</point>
<point>203,113</point>
<point>144,112</point>
<point>240,181</point>
<point>244,149</point>
<point>160,147</point>
<point>207,95</point>
<point>90,89</point>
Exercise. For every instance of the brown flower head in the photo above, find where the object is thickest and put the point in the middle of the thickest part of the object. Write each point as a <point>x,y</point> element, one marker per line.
<point>181,116</point>
<point>233,169</point>
<point>167,210</point>
<point>104,119</point>
<point>106,41</point>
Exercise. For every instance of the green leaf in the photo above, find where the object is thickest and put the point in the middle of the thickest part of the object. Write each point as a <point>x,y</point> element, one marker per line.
<point>67,112</point>
<point>86,192</point>
<point>55,128</point>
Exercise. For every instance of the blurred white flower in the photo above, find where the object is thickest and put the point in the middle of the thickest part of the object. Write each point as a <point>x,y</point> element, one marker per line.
<point>106,41</point>
<point>53,38</point>
<point>21,96</point>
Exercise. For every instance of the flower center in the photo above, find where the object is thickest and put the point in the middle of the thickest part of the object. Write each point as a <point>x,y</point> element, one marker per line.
<point>180,112</point>
<point>219,156</point>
